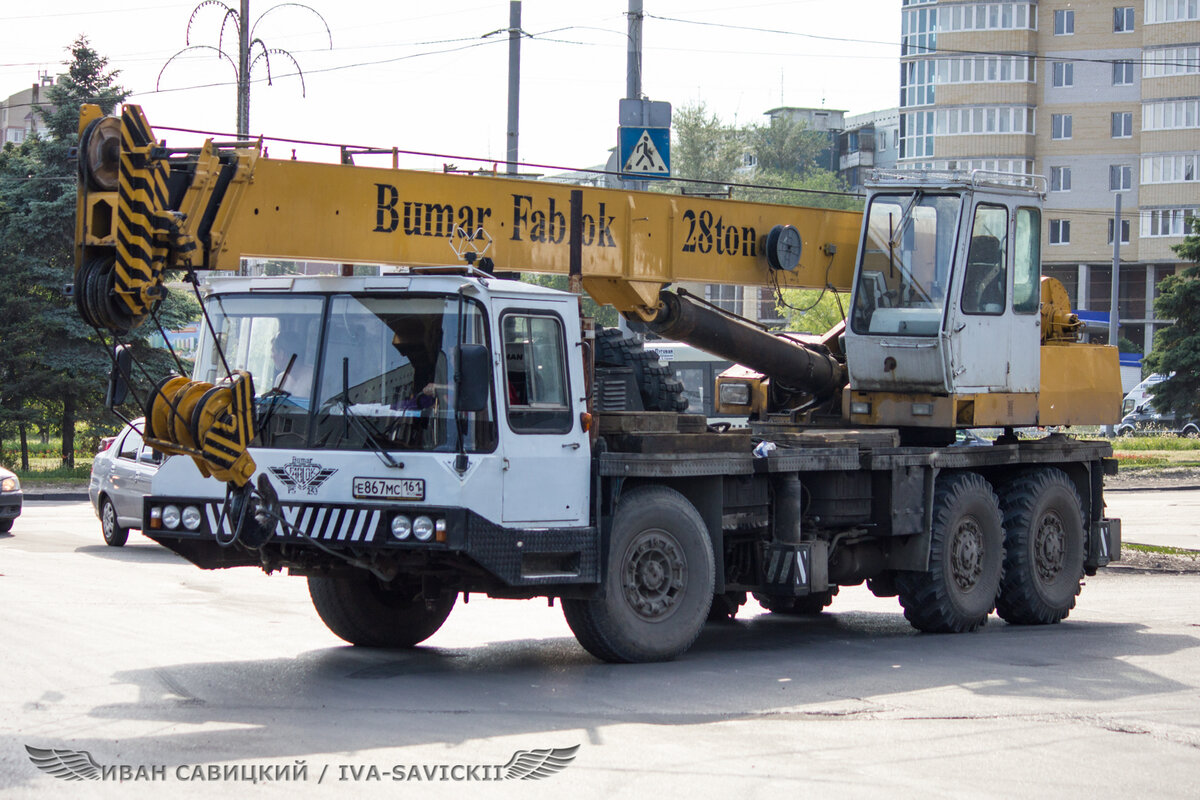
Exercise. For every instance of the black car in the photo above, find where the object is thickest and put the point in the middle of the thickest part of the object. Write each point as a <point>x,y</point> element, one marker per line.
<point>10,499</point>
<point>1145,419</point>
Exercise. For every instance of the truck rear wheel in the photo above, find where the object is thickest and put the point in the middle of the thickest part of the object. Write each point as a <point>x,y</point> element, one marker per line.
<point>659,585</point>
<point>367,612</point>
<point>1043,548</point>
<point>966,553</point>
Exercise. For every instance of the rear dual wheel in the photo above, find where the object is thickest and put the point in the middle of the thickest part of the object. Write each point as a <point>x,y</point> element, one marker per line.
<point>1043,546</point>
<point>966,554</point>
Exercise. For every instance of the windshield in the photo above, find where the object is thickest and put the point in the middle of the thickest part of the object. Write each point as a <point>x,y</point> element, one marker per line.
<point>905,269</point>
<point>351,372</point>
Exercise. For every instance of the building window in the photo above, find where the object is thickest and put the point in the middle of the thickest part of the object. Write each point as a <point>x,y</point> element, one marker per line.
<point>985,69</point>
<point>984,120</point>
<point>768,309</point>
<point>727,298</point>
<point>1170,114</point>
<point>1060,231</point>
<point>1064,23</point>
<point>1164,62</point>
<point>1122,124</point>
<point>988,16</point>
<point>1170,168</point>
<point>1120,178</point>
<point>1165,221</point>
<point>1060,126</point>
<point>1123,19</point>
<point>916,134</point>
<point>1124,230</point>
<point>1064,74</point>
<point>1060,179</point>
<point>1122,73</point>
<point>1158,11</point>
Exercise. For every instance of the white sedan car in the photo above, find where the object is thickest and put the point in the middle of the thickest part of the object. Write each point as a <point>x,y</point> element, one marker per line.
<point>121,474</point>
<point>10,499</point>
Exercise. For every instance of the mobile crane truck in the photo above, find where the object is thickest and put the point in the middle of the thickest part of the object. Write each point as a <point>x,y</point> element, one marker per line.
<point>403,439</point>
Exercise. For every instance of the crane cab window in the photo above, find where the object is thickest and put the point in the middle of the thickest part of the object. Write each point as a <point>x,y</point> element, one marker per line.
<point>985,280</point>
<point>535,374</point>
<point>907,250</point>
<point>1027,262</point>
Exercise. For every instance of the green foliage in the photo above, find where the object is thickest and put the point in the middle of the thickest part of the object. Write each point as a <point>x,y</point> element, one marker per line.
<point>812,310</point>
<point>50,365</point>
<point>604,315</point>
<point>705,149</point>
<point>1126,346</point>
<point>1177,347</point>
<point>786,146</point>
<point>817,188</point>
<point>1166,441</point>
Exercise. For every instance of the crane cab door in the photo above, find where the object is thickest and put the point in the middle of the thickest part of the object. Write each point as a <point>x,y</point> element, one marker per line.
<point>993,326</point>
<point>547,457</point>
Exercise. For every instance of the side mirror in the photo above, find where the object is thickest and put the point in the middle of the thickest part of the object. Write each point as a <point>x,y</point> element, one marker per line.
<point>473,377</point>
<point>118,378</point>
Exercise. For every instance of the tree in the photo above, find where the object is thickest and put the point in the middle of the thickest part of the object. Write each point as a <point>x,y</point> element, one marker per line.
<point>818,188</point>
<point>50,358</point>
<point>787,146</point>
<point>705,149</point>
<point>812,310</point>
<point>1177,347</point>
<point>604,315</point>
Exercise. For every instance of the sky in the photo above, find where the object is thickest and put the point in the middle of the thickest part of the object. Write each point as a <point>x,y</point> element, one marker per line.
<point>428,77</point>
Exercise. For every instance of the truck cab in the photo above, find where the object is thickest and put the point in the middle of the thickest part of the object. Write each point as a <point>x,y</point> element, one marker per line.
<point>374,436</point>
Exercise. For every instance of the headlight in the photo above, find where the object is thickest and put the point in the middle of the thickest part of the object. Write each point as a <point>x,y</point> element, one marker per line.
<point>191,518</point>
<point>735,394</point>
<point>860,408</point>
<point>170,517</point>
<point>423,528</point>
<point>10,484</point>
<point>401,527</point>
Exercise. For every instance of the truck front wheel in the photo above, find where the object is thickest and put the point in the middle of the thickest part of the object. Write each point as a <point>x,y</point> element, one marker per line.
<point>659,584</point>
<point>966,552</point>
<point>1044,552</point>
<point>367,612</point>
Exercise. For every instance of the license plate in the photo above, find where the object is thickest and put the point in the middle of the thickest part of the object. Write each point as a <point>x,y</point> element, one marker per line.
<point>389,489</point>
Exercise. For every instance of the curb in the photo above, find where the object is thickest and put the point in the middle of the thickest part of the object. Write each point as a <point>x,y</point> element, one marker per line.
<point>64,497</point>
<point>1150,488</point>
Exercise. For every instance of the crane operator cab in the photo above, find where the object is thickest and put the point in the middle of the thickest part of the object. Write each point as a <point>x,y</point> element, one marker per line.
<point>945,328</point>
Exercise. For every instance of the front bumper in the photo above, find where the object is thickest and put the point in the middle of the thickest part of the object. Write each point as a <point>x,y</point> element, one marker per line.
<point>10,505</point>
<point>514,556</point>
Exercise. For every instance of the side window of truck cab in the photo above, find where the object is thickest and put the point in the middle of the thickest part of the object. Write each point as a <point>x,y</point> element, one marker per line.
<point>535,374</point>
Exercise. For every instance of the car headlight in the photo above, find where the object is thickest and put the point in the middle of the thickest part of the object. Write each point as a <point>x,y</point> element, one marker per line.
<point>191,518</point>
<point>735,394</point>
<point>170,517</point>
<point>10,484</point>
<point>423,528</point>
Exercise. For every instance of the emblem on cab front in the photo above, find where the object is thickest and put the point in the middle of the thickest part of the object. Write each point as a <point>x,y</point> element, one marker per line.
<point>302,474</point>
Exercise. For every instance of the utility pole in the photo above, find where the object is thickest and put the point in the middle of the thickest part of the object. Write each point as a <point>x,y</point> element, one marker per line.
<point>514,82</point>
<point>243,109</point>
<point>1114,314</point>
<point>633,57</point>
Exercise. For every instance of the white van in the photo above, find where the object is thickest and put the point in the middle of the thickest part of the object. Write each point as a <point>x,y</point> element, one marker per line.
<point>1140,393</point>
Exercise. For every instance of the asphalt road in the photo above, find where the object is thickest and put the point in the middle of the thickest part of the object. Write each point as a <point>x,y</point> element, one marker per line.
<point>144,661</point>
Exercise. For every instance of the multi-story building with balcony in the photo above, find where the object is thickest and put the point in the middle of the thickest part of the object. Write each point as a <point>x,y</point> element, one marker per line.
<point>1103,98</point>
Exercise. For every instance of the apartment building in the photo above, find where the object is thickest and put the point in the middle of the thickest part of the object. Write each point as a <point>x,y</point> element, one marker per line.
<point>1101,97</point>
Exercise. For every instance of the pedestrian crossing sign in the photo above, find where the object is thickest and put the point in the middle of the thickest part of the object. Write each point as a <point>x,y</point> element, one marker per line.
<point>645,152</point>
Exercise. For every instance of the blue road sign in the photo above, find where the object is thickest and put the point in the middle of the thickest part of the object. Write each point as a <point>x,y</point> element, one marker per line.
<point>645,153</point>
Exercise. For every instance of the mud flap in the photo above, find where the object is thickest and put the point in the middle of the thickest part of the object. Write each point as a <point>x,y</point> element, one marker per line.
<point>1104,545</point>
<point>795,570</point>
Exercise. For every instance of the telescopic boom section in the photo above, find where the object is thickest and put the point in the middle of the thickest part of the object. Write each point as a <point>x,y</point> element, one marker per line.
<point>208,208</point>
